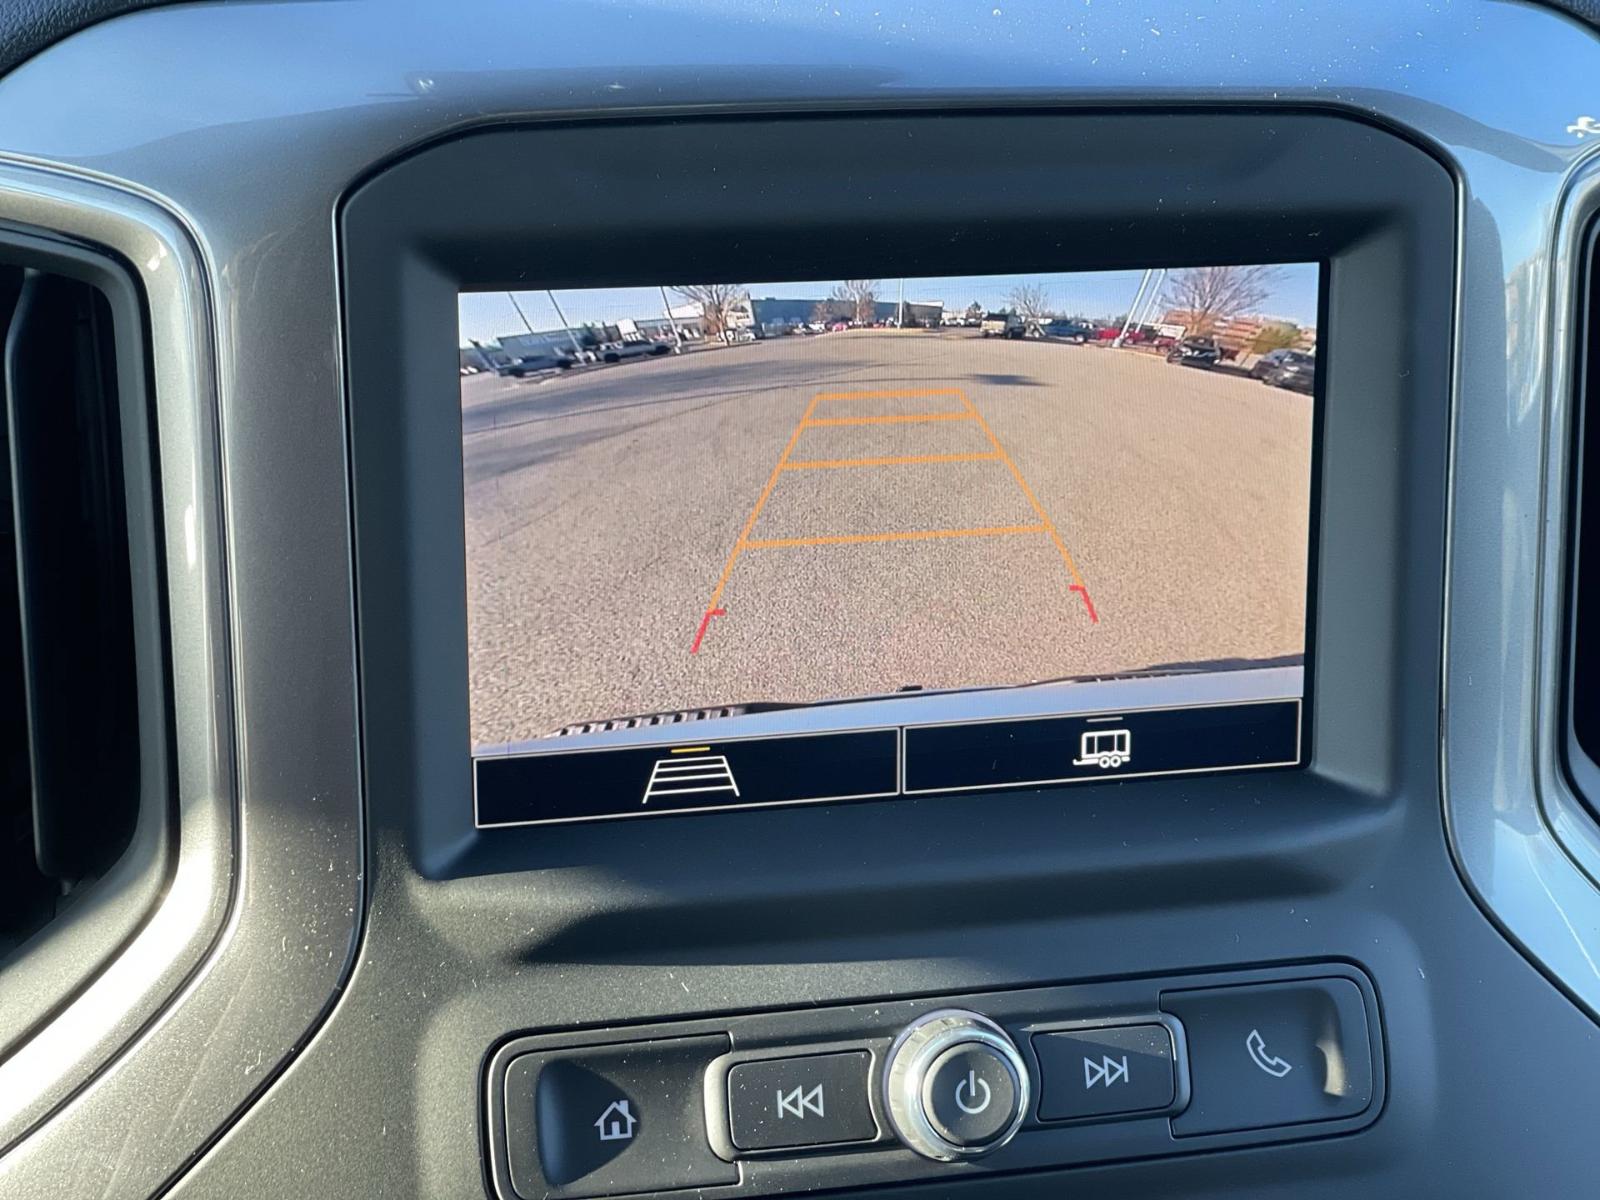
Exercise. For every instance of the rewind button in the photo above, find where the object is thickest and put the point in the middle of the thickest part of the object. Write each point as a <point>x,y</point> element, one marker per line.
<point>809,1100</point>
<point>799,1101</point>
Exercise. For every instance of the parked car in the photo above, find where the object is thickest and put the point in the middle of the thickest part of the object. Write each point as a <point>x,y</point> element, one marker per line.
<point>1293,369</point>
<point>1059,330</point>
<point>1006,325</point>
<point>615,352</point>
<point>1196,352</point>
<point>532,364</point>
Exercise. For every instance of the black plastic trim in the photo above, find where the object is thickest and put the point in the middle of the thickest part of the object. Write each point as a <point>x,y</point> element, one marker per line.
<point>1033,191</point>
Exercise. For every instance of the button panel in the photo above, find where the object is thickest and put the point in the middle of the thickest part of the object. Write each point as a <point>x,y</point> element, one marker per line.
<point>810,1100</point>
<point>821,1098</point>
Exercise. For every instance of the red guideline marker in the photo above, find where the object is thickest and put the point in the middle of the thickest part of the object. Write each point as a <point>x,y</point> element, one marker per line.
<point>700,634</point>
<point>1077,587</point>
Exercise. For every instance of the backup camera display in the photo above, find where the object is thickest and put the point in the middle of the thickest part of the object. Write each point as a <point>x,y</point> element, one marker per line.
<point>750,507</point>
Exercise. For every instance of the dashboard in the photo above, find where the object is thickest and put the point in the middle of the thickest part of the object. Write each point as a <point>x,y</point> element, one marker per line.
<point>680,601</point>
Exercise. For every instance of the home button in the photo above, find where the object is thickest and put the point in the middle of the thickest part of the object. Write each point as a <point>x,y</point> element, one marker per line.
<point>609,1120</point>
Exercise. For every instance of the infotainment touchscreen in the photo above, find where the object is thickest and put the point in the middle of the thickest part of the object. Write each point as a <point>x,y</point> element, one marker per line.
<point>736,544</point>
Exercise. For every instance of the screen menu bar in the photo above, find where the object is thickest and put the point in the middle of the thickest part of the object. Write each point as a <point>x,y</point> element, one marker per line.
<point>556,786</point>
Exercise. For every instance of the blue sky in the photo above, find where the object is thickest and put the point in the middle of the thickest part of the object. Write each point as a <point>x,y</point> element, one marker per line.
<point>487,315</point>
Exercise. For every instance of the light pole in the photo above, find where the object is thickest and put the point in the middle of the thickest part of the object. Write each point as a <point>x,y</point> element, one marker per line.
<point>562,317</point>
<point>677,334</point>
<point>511,297</point>
<point>1155,297</point>
<point>1132,309</point>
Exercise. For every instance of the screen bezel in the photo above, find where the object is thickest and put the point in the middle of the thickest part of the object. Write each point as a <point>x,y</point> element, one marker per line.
<point>1194,188</point>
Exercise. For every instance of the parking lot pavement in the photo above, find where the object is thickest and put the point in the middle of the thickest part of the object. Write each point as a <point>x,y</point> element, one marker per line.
<point>957,511</point>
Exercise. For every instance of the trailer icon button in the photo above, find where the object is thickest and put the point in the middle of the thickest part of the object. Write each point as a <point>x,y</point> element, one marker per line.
<point>1104,748</point>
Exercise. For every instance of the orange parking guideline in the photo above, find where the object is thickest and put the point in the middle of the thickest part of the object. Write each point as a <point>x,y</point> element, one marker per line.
<point>894,419</point>
<point>1055,536</point>
<point>890,394</point>
<point>772,482</point>
<point>815,463</point>
<point>969,413</point>
<point>906,535</point>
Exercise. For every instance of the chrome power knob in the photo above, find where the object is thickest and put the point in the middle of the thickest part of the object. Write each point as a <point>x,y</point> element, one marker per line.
<point>955,1085</point>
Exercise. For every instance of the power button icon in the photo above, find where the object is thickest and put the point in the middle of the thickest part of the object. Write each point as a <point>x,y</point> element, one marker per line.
<point>955,1085</point>
<point>973,1094</point>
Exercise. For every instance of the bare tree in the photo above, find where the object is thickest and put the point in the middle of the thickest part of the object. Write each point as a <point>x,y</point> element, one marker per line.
<point>861,298</point>
<point>716,301</point>
<point>826,312</point>
<point>1207,296</point>
<point>1031,301</point>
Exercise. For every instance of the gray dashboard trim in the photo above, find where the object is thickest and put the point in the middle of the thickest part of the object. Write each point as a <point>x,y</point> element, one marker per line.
<point>120,1044</point>
<point>1529,853</point>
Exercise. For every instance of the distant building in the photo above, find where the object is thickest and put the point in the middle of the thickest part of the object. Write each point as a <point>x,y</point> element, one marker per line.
<point>638,329</point>
<point>484,356</point>
<point>691,328</point>
<point>929,314</point>
<point>775,315</point>
<point>550,341</point>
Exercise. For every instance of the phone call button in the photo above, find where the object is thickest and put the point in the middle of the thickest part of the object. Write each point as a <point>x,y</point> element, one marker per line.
<point>1273,1054</point>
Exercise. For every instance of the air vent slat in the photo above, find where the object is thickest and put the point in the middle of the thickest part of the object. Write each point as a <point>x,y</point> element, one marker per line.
<point>1582,697</point>
<point>85,818</point>
<point>652,720</point>
<point>72,558</point>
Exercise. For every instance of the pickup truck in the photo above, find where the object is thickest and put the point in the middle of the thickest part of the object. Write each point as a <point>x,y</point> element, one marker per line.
<point>615,352</point>
<point>533,364</point>
<point>1007,325</point>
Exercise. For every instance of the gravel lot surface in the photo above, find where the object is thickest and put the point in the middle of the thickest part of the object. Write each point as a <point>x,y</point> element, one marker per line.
<point>604,507</point>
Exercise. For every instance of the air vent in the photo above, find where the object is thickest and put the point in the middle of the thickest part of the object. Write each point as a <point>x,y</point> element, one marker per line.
<point>83,837</point>
<point>1583,683</point>
<point>67,687</point>
<point>651,720</point>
